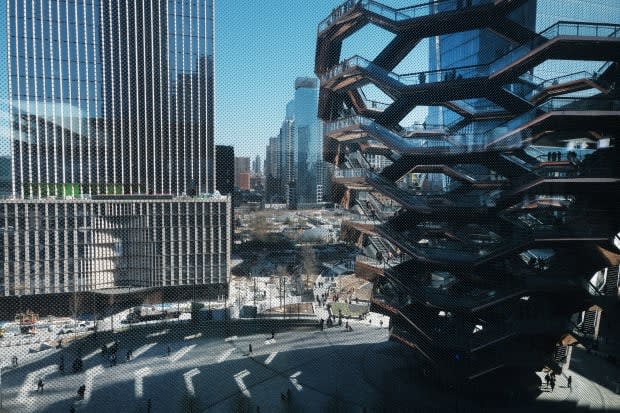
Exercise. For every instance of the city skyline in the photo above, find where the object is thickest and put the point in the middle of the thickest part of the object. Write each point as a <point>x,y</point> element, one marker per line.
<point>264,57</point>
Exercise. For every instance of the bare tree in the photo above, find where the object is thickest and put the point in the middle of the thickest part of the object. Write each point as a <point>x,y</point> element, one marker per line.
<point>309,263</point>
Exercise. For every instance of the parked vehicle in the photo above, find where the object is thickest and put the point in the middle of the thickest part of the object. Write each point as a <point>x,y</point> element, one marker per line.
<point>151,312</point>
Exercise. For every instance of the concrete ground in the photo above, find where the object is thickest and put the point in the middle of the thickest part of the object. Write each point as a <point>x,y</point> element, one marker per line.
<point>298,371</point>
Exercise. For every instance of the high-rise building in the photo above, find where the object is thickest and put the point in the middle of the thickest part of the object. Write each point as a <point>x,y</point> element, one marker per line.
<point>225,169</point>
<point>492,271</point>
<point>301,168</point>
<point>257,165</point>
<point>242,166</point>
<point>274,192</point>
<point>107,142</point>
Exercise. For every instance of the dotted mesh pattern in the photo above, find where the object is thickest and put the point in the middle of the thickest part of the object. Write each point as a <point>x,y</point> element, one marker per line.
<point>435,227</point>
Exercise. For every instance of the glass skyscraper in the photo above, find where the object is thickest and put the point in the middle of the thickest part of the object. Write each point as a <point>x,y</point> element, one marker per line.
<point>107,155</point>
<point>300,165</point>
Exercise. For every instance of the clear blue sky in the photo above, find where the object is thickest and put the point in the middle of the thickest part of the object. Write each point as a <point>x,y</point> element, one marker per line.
<point>260,48</point>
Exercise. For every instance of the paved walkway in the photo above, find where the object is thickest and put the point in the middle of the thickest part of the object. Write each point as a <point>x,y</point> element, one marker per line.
<point>310,370</point>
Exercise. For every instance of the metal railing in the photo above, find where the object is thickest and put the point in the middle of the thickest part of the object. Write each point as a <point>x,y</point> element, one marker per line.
<point>399,14</point>
<point>483,70</point>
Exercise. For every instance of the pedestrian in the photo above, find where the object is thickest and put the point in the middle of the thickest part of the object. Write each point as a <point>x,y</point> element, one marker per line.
<point>250,348</point>
<point>569,382</point>
<point>14,361</point>
<point>61,367</point>
<point>40,385</point>
<point>168,350</point>
<point>547,379</point>
<point>552,384</point>
<point>273,334</point>
<point>381,323</point>
<point>81,391</point>
<point>128,355</point>
<point>548,156</point>
<point>346,326</point>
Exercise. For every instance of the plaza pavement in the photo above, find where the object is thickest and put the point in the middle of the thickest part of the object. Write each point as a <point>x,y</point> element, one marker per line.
<point>333,370</point>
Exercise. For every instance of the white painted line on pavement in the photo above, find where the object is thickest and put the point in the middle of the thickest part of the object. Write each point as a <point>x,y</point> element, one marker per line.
<point>293,380</point>
<point>225,355</point>
<point>138,383</point>
<point>231,338</point>
<point>158,333</point>
<point>270,341</point>
<point>176,356</point>
<point>141,350</point>
<point>30,382</point>
<point>239,379</point>
<point>197,335</point>
<point>189,384</point>
<point>91,355</point>
<point>90,378</point>
<point>271,357</point>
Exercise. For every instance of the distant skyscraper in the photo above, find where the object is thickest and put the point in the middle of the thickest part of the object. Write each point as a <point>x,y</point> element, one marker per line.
<point>273,180</point>
<point>106,143</point>
<point>242,166</point>
<point>256,165</point>
<point>300,163</point>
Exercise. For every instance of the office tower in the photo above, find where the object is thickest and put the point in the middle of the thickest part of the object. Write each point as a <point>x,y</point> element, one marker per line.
<point>273,181</point>
<point>498,269</point>
<point>287,141</point>
<point>256,165</point>
<point>225,169</point>
<point>109,133</point>
<point>308,139</point>
<point>242,166</point>
<point>225,178</point>
<point>301,167</point>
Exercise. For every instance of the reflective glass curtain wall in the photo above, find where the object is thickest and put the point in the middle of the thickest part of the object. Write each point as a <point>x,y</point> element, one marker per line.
<point>111,96</point>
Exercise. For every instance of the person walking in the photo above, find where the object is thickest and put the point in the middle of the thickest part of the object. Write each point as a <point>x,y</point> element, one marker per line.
<point>40,385</point>
<point>81,391</point>
<point>250,348</point>
<point>273,334</point>
<point>569,382</point>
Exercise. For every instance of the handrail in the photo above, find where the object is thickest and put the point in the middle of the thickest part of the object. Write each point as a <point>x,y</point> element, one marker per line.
<point>562,28</point>
<point>397,14</point>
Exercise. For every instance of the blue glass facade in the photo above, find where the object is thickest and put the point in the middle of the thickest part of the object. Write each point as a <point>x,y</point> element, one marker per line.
<point>112,96</point>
